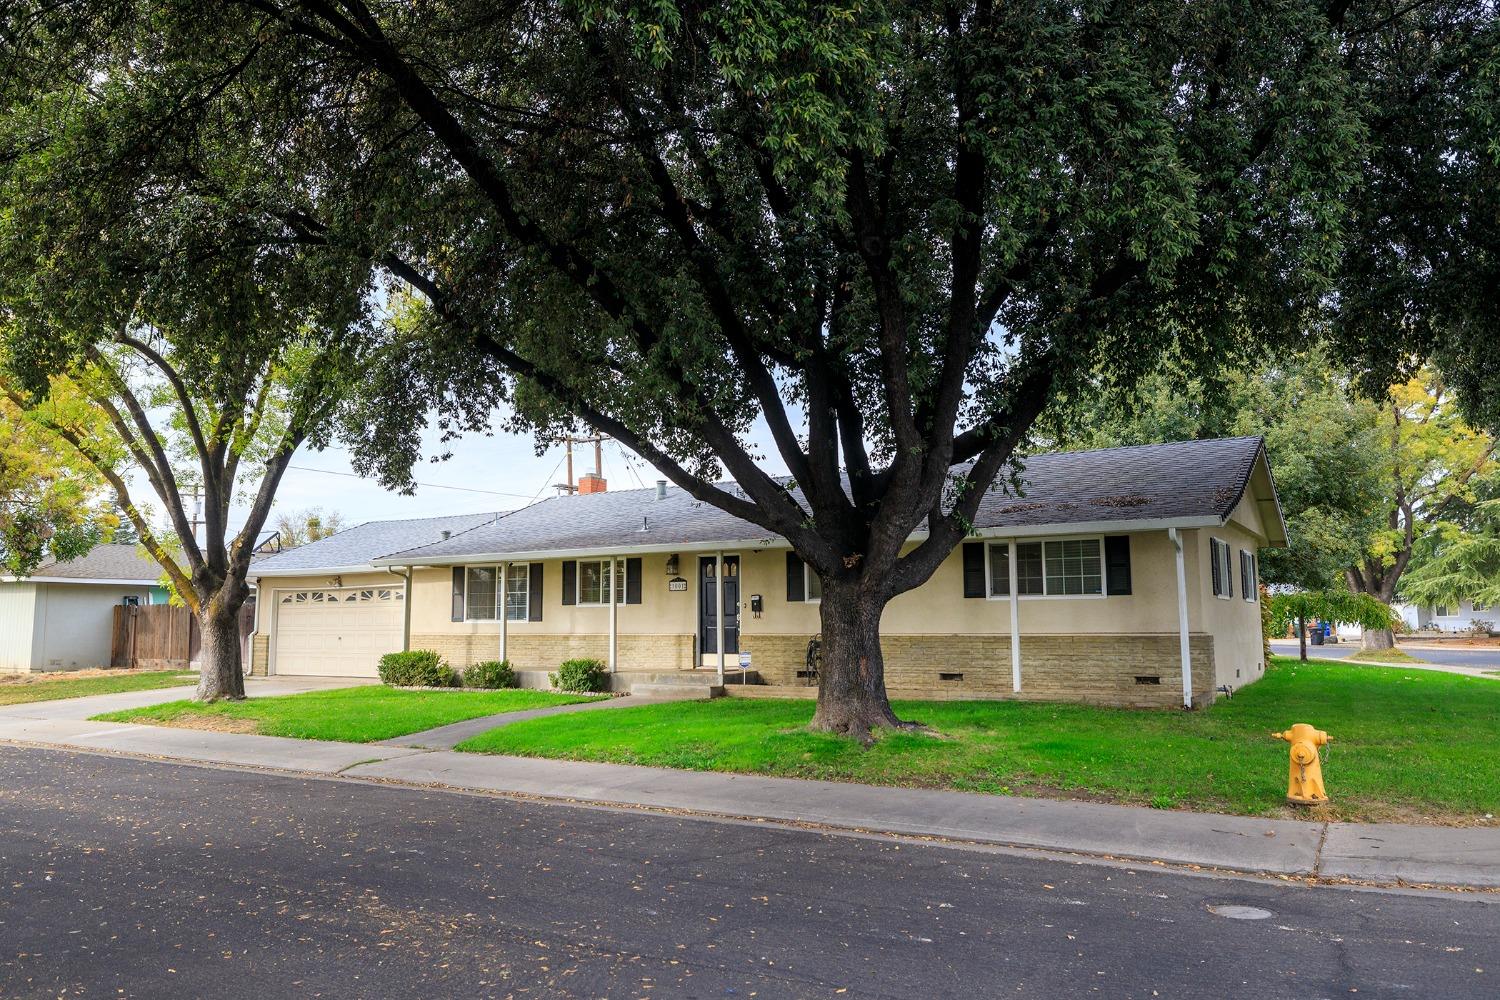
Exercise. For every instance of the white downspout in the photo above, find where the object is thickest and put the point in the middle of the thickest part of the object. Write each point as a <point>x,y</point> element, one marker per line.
<point>504,603</point>
<point>1015,622</point>
<point>1184,648</point>
<point>719,617</point>
<point>614,637</point>
<point>405,574</point>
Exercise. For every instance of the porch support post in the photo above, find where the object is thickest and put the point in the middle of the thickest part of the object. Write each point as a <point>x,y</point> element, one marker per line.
<point>719,611</point>
<point>1015,622</point>
<point>504,602</point>
<point>1183,646</point>
<point>614,621</point>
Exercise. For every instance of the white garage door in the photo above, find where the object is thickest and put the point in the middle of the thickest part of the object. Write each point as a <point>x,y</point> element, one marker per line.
<point>337,633</point>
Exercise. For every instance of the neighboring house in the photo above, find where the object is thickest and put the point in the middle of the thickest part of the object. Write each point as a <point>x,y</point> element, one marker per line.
<point>61,617</point>
<point>1123,576</point>
<point>1449,618</point>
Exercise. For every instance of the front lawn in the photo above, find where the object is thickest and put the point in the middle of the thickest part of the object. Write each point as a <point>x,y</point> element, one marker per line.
<point>1383,656</point>
<point>362,714</point>
<point>24,688</point>
<point>1415,746</point>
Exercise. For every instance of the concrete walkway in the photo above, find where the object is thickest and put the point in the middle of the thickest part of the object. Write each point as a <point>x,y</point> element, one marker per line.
<point>1382,854</point>
<point>449,736</point>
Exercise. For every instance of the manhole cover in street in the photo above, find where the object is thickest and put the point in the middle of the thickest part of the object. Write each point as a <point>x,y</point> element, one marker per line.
<point>1236,912</point>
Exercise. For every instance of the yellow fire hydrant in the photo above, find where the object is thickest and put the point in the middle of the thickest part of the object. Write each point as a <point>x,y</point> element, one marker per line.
<point>1304,785</point>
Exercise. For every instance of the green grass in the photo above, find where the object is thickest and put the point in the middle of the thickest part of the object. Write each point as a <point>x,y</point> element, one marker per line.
<point>1383,656</point>
<point>1416,745</point>
<point>362,714</point>
<point>23,690</point>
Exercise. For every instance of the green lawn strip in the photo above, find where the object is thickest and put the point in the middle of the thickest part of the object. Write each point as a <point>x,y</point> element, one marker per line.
<point>1406,745</point>
<point>1383,656</point>
<point>23,692</point>
<point>354,715</point>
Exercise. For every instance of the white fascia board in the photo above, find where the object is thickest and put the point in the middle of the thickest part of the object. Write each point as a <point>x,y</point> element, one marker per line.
<point>76,579</point>
<point>1098,527</point>
<point>593,552</point>
<point>777,542</point>
<point>322,570</point>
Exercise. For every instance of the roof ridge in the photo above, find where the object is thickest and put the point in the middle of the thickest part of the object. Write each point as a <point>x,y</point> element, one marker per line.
<point>1148,445</point>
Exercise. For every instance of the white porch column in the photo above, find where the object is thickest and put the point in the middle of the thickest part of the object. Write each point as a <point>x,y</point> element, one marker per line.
<point>614,621</point>
<point>1015,622</point>
<point>504,602</point>
<point>719,616</point>
<point>1183,646</point>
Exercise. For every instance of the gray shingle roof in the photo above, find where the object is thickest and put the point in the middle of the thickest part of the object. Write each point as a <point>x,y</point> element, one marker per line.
<point>356,547</point>
<point>1188,479</point>
<point>103,562</point>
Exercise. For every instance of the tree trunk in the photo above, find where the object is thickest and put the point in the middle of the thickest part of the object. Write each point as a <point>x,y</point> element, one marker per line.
<point>1302,638</point>
<point>1378,639</point>
<point>222,677</point>
<point>851,681</point>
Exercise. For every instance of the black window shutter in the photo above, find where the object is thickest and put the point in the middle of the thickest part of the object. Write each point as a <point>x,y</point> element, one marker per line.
<point>1213,564</point>
<point>570,581</point>
<point>796,585</point>
<point>1117,564</point>
<point>973,569</point>
<point>1228,573</point>
<point>458,593</point>
<point>534,594</point>
<point>633,581</point>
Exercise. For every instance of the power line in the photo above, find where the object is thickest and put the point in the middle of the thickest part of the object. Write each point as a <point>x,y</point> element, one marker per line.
<point>431,486</point>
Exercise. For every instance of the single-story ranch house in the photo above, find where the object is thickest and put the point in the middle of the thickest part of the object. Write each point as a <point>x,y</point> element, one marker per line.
<point>1123,576</point>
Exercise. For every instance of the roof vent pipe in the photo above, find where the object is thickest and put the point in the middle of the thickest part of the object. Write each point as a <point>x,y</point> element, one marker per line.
<point>447,535</point>
<point>661,489</point>
<point>645,523</point>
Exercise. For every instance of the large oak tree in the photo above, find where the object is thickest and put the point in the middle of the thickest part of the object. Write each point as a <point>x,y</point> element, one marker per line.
<point>888,231</point>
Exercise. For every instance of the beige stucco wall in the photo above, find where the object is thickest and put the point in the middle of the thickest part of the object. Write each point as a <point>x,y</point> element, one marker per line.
<point>1235,622</point>
<point>660,632</point>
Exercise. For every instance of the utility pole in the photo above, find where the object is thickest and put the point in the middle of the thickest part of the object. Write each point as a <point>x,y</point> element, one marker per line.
<point>597,440</point>
<point>197,495</point>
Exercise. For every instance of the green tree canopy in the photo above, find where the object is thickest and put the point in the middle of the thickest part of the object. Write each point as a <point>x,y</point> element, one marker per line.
<point>890,231</point>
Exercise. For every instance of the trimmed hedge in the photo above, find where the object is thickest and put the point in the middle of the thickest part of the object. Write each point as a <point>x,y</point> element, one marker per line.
<point>580,675</point>
<point>490,674</point>
<point>417,668</point>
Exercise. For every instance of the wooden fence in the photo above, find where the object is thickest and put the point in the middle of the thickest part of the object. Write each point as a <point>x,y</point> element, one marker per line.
<point>162,637</point>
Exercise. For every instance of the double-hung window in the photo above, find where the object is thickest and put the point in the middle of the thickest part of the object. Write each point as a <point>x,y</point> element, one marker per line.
<point>1249,585</point>
<point>593,585</point>
<point>479,593</point>
<point>1218,557</point>
<point>483,593</point>
<point>1066,567</point>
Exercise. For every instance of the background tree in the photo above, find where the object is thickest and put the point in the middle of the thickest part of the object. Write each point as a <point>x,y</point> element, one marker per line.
<point>153,331</point>
<point>1460,560</point>
<point>891,231</point>
<point>51,504</point>
<point>298,527</point>
<point>1326,449</point>
<point>1433,460</point>
<point>1294,609</point>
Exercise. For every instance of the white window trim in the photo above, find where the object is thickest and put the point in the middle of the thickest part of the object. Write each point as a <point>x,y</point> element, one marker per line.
<point>1103,569</point>
<point>808,576</point>
<point>604,602</point>
<point>503,598</point>
<point>500,593</point>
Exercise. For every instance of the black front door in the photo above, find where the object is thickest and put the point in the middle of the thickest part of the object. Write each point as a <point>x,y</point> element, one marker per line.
<point>708,639</point>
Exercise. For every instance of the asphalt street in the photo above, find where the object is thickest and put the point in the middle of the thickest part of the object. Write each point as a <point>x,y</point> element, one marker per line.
<point>1456,657</point>
<point>132,878</point>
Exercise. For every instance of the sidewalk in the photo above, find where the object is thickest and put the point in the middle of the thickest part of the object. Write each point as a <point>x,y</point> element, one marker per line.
<point>1381,854</point>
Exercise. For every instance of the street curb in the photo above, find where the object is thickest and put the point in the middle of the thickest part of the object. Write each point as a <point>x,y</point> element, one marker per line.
<point>1313,878</point>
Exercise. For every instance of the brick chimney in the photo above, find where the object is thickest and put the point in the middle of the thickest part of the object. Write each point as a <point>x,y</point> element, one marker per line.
<point>591,482</point>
